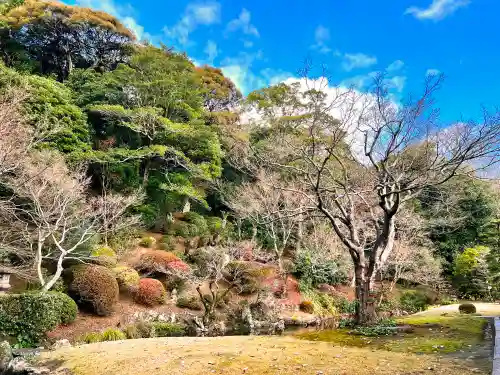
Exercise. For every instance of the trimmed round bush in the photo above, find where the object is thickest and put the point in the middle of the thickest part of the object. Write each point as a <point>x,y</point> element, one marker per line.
<point>153,261</point>
<point>149,292</point>
<point>28,317</point>
<point>467,308</point>
<point>189,301</point>
<point>113,334</point>
<point>94,286</point>
<point>147,241</point>
<point>126,276</point>
<point>104,256</point>
<point>307,307</point>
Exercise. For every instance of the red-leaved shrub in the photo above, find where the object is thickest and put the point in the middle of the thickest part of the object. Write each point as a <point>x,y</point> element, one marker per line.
<point>149,292</point>
<point>179,265</point>
<point>155,261</point>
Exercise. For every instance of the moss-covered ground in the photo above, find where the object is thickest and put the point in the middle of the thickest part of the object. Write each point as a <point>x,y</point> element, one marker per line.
<point>248,355</point>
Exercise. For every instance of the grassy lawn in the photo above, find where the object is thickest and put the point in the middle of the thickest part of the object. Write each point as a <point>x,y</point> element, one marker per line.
<point>246,355</point>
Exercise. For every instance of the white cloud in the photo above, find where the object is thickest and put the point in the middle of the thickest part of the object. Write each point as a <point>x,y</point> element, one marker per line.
<point>437,10</point>
<point>211,50</point>
<point>398,83</point>
<point>239,70</point>
<point>123,13</point>
<point>321,38</point>
<point>196,14</point>
<point>243,23</point>
<point>358,60</point>
<point>432,72</point>
<point>395,66</point>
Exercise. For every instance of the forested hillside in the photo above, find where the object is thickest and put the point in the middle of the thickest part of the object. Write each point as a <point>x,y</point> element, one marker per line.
<point>109,145</point>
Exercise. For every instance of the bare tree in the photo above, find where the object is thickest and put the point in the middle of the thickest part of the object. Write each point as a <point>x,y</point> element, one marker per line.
<point>361,157</point>
<point>51,216</point>
<point>412,257</point>
<point>270,209</point>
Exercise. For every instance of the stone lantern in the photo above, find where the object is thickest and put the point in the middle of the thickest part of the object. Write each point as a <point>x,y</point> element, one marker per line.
<point>4,280</point>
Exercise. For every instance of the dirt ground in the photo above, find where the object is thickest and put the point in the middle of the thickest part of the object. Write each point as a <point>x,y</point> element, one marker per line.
<point>244,355</point>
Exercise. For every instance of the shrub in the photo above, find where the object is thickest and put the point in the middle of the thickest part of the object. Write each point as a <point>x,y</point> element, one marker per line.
<point>248,276</point>
<point>382,328</point>
<point>149,292</point>
<point>467,308</point>
<point>413,301</point>
<point>132,332</point>
<point>126,276</point>
<point>323,304</point>
<point>113,334</point>
<point>28,317</point>
<point>180,266</point>
<point>312,271</point>
<point>153,261</point>
<point>104,256</point>
<point>94,286</point>
<point>91,337</point>
<point>147,241</point>
<point>67,308</point>
<point>168,243</point>
<point>189,301</point>
<point>177,282</point>
<point>307,307</point>
<point>344,306</point>
<point>198,222</point>
<point>162,329</point>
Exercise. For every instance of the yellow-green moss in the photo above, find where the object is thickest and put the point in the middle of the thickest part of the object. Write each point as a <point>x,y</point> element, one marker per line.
<point>432,334</point>
<point>104,256</point>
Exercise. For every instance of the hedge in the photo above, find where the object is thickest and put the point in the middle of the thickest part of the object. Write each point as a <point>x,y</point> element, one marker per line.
<point>28,317</point>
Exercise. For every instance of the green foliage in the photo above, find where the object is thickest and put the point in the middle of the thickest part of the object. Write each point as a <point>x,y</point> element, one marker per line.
<point>162,329</point>
<point>467,308</point>
<point>104,256</point>
<point>322,303</point>
<point>91,338</point>
<point>28,317</point>
<point>312,271</point>
<point>413,301</point>
<point>59,36</point>
<point>382,328</point>
<point>471,273</point>
<point>189,301</point>
<point>344,306</point>
<point>126,276</point>
<point>95,287</point>
<point>147,241</point>
<point>49,108</point>
<point>471,200</point>
<point>113,334</point>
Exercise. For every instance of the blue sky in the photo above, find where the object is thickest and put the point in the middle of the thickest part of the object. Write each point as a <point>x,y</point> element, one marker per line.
<point>265,41</point>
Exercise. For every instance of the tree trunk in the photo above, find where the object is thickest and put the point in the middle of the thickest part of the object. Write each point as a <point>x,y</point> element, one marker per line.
<point>365,311</point>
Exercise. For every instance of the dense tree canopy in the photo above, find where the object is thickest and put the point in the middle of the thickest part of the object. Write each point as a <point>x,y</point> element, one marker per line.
<point>59,37</point>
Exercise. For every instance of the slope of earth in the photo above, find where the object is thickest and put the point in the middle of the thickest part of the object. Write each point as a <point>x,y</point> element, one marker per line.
<point>244,355</point>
